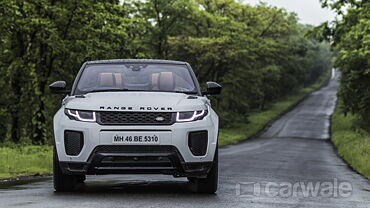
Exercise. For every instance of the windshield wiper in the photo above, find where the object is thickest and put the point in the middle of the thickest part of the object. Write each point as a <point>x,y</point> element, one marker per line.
<point>185,92</point>
<point>108,90</point>
<point>124,89</point>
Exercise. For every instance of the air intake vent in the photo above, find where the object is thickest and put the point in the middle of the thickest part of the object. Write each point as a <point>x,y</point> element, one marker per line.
<point>73,142</point>
<point>198,142</point>
<point>135,149</point>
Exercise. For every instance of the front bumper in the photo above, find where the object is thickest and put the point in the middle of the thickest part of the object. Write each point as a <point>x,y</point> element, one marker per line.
<point>171,156</point>
<point>148,159</point>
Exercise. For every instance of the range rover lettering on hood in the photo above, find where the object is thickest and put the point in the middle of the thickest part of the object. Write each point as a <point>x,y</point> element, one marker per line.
<point>132,108</point>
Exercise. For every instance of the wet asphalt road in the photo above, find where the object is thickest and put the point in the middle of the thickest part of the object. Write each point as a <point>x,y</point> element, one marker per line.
<point>273,170</point>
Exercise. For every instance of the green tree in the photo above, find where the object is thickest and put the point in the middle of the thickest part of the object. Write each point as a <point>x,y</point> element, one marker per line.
<point>258,53</point>
<point>350,36</point>
<point>47,40</point>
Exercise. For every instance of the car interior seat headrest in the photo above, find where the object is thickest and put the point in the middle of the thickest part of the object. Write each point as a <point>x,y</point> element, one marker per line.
<point>166,81</point>
<point>106,80</point>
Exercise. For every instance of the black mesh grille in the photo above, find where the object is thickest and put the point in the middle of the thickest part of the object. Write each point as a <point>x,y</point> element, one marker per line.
<point>139,156</point>
<point>73,142</point>
<point>138,118</point>
<point>198,142</point>
<point>135,149</point>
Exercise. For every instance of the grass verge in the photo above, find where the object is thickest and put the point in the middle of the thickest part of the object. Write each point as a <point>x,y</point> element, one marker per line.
<point>352,142</point>
<point>25,160</point>
<point>259,119</point>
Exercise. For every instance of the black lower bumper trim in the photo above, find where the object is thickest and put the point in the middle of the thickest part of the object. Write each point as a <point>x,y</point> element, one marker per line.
<point>137,160</point>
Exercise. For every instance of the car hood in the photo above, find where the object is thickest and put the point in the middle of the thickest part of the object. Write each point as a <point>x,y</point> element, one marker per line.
<point>136,101</point>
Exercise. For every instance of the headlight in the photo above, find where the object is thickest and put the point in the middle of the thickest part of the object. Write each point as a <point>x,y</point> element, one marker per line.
<point>88,116</point>
<point>190,115</point>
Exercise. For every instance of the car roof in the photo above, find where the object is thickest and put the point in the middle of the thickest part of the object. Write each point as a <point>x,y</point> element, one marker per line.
<point>144,61</point>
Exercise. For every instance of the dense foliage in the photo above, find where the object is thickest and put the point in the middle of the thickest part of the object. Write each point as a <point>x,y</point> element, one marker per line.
<point>257,53</point>
<point>350,35</point>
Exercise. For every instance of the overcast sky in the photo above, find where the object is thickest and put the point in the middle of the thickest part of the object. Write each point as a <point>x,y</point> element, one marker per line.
<point>309,11</point>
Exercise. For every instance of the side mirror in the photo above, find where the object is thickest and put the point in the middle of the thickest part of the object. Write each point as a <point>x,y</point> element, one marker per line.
<point>59,87</point>
<point>212,89</point>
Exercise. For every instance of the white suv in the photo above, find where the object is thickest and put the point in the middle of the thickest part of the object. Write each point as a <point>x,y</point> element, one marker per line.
<point>136,116</point>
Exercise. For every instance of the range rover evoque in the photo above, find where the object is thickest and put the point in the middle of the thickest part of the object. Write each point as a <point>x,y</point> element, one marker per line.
<point>136,117</point>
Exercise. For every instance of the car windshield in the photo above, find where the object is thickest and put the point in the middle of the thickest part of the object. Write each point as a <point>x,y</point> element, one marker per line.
<point>136,77</point>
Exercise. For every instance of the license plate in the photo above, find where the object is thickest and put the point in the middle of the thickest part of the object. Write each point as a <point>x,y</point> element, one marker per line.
<point>132,138</point>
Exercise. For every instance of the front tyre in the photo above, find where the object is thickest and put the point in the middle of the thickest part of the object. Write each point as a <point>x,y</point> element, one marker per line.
<point>62,182</point>
<point>210,183</point>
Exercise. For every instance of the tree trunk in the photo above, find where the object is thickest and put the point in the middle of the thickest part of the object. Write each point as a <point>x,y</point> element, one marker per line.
<point>38,137</point>
<point>14,107</point>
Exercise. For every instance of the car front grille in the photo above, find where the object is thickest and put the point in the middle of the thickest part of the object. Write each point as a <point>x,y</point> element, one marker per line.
<point>135,118</point>
<point>139,157</point>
